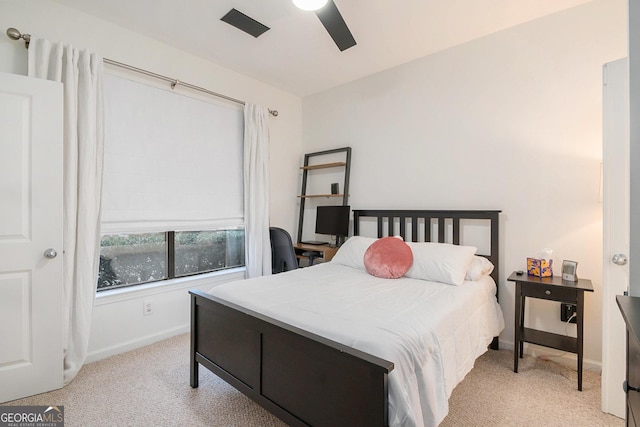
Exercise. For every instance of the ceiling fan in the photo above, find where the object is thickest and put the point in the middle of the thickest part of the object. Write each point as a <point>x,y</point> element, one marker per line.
<point>326,10</point>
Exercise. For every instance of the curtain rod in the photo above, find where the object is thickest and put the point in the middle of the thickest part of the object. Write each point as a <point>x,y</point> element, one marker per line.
<point>14,34</point>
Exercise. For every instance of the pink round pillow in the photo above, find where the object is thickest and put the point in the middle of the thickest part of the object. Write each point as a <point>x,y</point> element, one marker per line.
<point>388,258</point>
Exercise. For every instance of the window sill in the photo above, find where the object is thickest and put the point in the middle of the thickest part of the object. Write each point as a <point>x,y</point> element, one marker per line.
<point>133,292</point>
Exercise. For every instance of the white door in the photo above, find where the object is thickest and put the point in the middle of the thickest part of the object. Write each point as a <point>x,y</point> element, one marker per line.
<point>615,271</point>
<point>31,350</point>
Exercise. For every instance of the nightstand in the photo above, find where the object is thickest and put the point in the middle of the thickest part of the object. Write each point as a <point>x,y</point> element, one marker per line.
<point>553,289</point>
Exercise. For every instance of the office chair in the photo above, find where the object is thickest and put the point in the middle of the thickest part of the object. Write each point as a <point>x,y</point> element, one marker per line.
<point>283,256</point>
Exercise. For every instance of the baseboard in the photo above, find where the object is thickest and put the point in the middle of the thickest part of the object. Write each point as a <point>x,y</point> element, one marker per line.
<point>568,359</point>
<point>134,344</point>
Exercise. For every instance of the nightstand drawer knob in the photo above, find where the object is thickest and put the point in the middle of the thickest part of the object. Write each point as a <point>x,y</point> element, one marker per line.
<point>548,292</point>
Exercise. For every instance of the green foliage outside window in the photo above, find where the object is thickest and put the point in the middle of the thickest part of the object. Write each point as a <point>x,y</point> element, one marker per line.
<point>131,259</point>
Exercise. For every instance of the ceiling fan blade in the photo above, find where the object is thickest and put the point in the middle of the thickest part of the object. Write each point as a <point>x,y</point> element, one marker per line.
<point>336,27</point>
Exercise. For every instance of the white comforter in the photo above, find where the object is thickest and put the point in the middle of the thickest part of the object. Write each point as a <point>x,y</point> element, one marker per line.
<point>432,332</point>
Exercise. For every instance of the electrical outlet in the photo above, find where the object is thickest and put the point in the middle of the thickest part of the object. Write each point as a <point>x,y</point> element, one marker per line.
<point>566,311</point>
<point>147,308</point>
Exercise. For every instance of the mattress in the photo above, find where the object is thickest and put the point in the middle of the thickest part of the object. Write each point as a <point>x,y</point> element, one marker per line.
<point>431,331</point>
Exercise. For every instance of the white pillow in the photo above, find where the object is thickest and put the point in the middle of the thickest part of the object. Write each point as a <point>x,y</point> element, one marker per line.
<point>351,253</point>
<point>440,262</point>
<point>480,266</point>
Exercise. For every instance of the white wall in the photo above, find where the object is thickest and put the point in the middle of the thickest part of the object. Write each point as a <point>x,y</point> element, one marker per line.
<point>511,121</point>
<point>118,321</point>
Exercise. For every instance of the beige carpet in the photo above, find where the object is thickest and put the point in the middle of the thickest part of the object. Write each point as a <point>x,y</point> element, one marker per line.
<point>542,393</point>
<point>150,386</point>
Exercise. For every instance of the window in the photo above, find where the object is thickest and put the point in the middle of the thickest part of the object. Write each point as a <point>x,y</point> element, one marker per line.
<point>133,259</point>
<point>173,164</point>
<point>203,251</point>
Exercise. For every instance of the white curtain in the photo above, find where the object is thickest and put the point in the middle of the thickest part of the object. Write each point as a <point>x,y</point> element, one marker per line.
<point>256,190</point>
<point>81,74</point>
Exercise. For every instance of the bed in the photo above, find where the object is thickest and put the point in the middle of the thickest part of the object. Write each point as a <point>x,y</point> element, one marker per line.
<point>371,354</point>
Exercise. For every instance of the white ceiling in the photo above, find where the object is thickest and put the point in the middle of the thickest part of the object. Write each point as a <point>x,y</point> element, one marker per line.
<point>297,54</point>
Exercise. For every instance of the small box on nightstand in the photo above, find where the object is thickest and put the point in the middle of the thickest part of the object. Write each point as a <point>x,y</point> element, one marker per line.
<point>539,267</point>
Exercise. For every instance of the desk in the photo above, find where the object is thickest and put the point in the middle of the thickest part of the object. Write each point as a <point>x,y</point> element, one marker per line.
<point>554,289</point>
<point>326,252</point>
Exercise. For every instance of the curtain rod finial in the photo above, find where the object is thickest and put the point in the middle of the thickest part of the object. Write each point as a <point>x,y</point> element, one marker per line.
<point>14,34</point>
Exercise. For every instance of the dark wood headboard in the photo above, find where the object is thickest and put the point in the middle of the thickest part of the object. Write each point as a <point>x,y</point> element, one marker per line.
<point>403,217</point>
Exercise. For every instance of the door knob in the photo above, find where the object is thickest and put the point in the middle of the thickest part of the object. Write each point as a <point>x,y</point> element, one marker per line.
<point>619,259</point>
<point>50,253</point>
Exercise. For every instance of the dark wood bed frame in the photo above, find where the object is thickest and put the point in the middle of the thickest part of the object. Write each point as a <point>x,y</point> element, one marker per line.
<point>302,378</point>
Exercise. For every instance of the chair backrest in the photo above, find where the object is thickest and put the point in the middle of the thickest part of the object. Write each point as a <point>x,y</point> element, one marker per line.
<point>283,256</point>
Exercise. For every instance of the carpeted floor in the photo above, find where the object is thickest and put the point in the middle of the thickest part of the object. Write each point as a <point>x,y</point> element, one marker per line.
<point>542,393</point>
<point>150,386</point>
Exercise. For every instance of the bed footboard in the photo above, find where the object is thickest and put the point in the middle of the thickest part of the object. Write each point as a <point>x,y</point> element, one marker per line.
<point>302,378</point>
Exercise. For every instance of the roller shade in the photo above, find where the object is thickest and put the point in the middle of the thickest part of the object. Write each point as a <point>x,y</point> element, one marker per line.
<point>172,162</point>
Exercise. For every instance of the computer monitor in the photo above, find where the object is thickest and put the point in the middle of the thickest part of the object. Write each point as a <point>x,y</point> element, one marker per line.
<point>333,220</point>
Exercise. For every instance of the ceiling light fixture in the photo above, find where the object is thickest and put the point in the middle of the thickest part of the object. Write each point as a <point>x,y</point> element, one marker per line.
<point>309,4</point>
